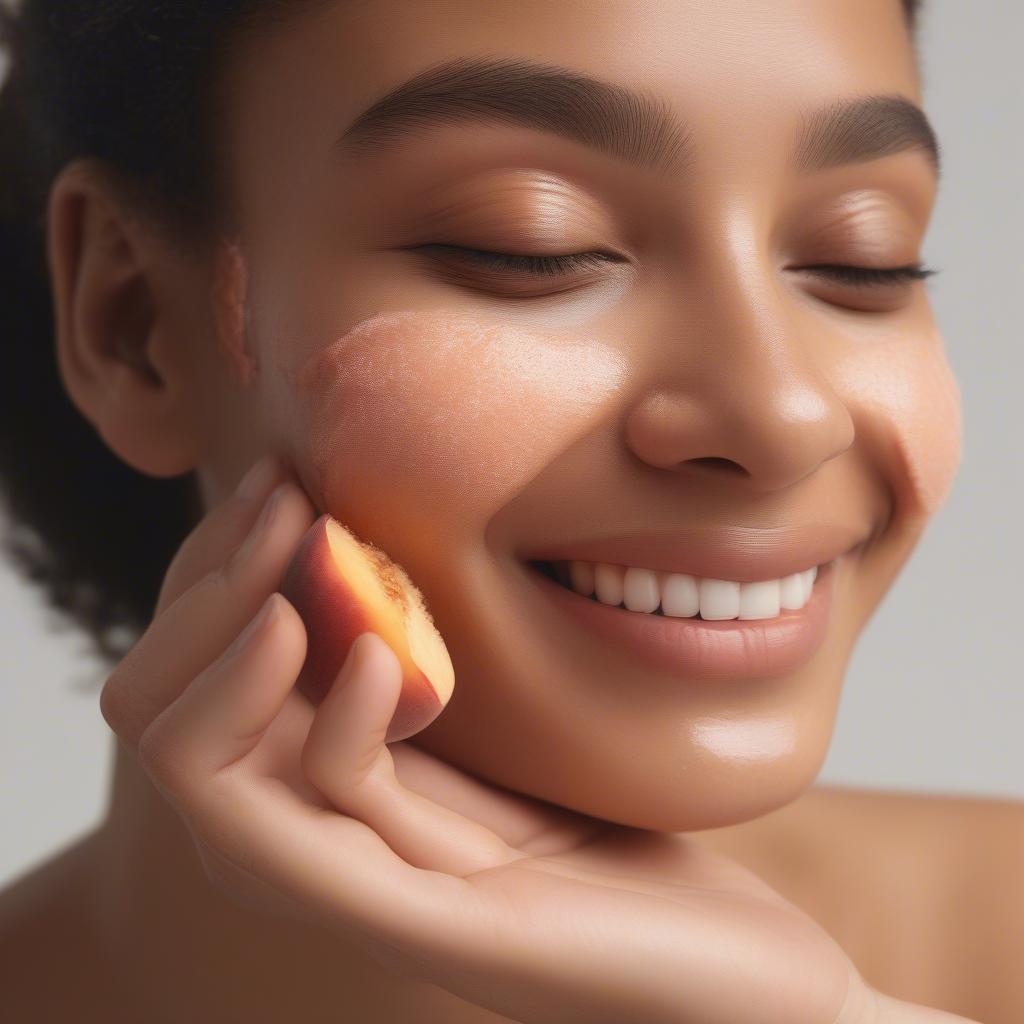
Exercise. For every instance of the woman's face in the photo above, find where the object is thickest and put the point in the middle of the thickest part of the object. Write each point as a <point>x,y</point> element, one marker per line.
<point>692,380</point>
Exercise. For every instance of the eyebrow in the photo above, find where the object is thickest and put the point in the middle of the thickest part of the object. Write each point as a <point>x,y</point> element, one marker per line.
<point>865,128</point>
<point>639,128</point>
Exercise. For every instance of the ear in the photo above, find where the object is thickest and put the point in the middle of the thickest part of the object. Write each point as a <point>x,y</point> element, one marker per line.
<point>128,323</point>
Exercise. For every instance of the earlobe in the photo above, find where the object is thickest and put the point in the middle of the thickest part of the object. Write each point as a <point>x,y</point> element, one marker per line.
<point>110,324</point>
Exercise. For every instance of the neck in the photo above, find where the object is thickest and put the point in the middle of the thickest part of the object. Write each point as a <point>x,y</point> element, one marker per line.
<point>184,951</point>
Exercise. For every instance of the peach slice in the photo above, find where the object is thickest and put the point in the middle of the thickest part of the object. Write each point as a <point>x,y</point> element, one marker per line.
<point>341,587</point>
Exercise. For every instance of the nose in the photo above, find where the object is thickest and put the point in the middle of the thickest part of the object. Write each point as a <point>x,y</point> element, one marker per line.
<point>735,388</point>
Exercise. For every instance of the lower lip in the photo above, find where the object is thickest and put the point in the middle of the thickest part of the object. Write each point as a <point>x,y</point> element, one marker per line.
<point>720,649</point>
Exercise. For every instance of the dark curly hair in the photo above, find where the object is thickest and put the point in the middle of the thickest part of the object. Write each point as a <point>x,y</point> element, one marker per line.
<point>128,82</point>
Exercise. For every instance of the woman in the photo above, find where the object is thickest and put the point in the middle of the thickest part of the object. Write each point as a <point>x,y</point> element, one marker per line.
<point>606,322</point>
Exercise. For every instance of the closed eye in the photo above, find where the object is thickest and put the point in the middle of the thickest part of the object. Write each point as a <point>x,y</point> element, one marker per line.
<point>557,265</point>
<point>846,274</point>
<point>540,266</point>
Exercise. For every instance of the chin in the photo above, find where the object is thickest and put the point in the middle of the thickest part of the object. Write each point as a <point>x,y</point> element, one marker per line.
<point>696,776</point>
<point>710,798</point>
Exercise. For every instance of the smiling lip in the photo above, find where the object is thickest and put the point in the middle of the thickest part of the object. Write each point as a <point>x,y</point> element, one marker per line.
<point>740,554</point>
<point>717,649</point>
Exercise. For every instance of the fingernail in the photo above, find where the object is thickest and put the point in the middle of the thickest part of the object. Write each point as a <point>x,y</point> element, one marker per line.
<point>270,507</point>
<point>259,478</point>
<point>252,629</point>
<point>355,657</point>
<point>258,529</point>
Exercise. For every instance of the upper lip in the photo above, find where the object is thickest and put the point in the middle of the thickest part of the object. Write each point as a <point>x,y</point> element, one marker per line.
<point>743,554</point>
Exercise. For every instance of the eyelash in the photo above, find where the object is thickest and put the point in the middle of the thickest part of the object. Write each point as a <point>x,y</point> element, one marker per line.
<point>869,276</point>
<point>553,266</point>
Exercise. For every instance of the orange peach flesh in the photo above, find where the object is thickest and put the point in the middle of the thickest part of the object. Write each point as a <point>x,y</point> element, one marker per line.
<point>342,587</point>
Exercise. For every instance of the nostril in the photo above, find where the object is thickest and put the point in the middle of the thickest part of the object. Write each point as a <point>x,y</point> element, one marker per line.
<point>717,462</point>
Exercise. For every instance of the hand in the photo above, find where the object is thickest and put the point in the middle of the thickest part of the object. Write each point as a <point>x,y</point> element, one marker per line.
<point>532,911</point>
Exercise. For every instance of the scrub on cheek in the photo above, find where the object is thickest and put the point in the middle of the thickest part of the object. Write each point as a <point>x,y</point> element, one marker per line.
<point>447,413</point>
<point>912,401</point>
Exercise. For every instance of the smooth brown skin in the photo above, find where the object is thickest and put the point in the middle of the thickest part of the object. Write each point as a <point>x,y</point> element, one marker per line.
<point>922,893</point>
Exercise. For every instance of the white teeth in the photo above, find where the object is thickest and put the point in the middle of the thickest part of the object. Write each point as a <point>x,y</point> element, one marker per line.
<point>608,581</point>
<point>640,590</point>
<point>809,575</point>
<point>683,596</point>
<point>719,599</point>
<point>680,595</point>
<point>792,591</point>
<point>582,576</point>
<point>759,600</point>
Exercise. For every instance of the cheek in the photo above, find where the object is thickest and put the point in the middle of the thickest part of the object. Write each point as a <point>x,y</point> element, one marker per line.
<point>443,415</point>
<point>908,401</point>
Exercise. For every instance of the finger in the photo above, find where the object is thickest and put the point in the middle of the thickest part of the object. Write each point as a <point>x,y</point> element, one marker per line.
<point>221,530</point>
<point>334,865</point>
<point>226,710</point>
<point>201,622</point>
<point>346,758</point>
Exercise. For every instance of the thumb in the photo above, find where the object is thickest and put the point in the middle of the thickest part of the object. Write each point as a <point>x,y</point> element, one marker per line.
<point>346,758</point>
<point>349,730</point>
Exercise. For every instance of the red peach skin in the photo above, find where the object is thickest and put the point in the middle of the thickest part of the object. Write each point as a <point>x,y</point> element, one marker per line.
<point>342,587</point>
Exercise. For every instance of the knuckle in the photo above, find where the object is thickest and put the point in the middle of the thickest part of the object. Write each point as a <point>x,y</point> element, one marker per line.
<point>116,697</point>
<point>111,703</point>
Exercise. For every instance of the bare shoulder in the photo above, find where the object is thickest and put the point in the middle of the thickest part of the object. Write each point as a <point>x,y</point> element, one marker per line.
<point>925,892</point>
<point>49,967</point>
<point>946,873</point>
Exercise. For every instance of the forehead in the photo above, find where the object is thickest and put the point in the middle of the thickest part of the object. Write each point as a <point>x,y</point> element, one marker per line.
<point>740,74</point>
